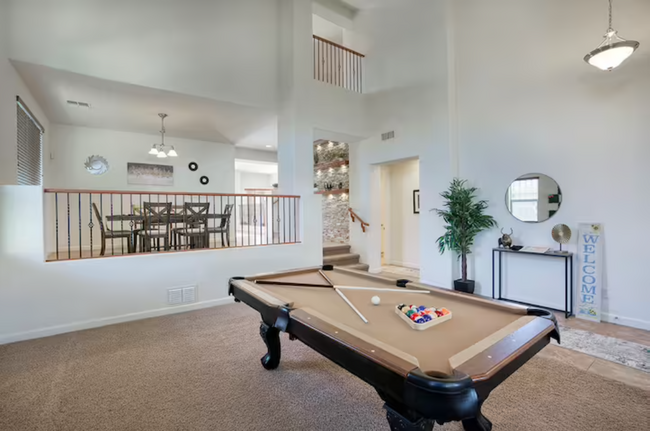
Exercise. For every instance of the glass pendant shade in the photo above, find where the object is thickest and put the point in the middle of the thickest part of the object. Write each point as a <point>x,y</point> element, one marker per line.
<point>158,150</point>
<point>612,52</point>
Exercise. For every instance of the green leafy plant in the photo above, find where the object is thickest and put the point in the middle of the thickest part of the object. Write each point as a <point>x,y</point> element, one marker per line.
<point>465,219</point>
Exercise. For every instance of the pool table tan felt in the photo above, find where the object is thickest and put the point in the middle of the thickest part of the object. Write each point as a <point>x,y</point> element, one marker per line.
<point>480,338</point>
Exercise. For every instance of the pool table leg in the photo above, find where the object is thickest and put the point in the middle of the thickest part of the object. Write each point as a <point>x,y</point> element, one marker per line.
<point>271,337</point>
<point>479,423</point>
<point>398,422</point>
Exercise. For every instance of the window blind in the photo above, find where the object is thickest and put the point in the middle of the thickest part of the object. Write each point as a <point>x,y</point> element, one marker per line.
<point>30,147</point>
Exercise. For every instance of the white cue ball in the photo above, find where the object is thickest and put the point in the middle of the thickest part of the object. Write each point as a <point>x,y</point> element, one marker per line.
<point>375,300</point>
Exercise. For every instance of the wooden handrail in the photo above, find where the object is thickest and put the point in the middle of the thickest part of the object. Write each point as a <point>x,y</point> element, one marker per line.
<point>339,46</point>
<point>355,216</point>
<point>149,192</point>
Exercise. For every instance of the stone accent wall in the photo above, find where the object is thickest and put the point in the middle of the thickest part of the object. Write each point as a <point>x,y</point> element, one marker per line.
<point>331,168</point>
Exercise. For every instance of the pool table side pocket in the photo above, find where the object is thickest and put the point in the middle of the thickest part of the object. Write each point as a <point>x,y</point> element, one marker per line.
<point>484,364</point>
<point>371,348</point>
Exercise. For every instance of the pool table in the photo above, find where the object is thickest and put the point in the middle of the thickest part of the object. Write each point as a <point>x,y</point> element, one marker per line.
<point>440,374</point>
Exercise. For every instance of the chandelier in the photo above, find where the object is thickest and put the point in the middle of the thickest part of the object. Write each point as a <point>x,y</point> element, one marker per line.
<point>159,149</point>
<point>613,51</point>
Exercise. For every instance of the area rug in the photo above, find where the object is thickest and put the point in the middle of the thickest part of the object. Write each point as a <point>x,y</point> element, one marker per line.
<point>609,348</point>
<point>201,371</point>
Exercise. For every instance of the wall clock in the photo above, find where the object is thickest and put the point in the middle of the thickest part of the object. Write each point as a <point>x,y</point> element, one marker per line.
<point>193,166</point>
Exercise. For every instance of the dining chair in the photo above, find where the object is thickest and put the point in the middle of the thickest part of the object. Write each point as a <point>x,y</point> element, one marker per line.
<point>157,225</point>
<point>113,234</point>
<point>224,226</point>
<point>195,225</point>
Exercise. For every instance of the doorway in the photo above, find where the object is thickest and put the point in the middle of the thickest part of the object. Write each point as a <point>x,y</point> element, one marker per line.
<point>400,217</point>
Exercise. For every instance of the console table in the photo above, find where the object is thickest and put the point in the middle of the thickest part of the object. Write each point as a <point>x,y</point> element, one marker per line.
<point>568,276</point>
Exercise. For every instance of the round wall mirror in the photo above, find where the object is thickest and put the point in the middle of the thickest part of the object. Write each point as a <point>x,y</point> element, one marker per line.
<point>533,198</point>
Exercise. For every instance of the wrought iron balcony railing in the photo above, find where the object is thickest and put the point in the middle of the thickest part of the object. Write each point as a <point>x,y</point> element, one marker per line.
<point>84,224</point>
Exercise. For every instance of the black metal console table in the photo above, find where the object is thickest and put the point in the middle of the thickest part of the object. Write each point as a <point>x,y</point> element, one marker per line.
<point>568,276</point>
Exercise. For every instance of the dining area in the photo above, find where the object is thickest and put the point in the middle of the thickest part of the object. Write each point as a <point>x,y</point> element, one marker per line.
<point>84,224</point>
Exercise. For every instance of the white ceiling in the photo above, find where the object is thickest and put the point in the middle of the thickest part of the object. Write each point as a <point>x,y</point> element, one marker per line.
<point>133,108</point>
<point>267,168</point>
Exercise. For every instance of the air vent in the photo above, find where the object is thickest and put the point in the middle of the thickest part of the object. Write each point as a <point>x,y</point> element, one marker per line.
<point>78,104</point>
<point>388,135</point>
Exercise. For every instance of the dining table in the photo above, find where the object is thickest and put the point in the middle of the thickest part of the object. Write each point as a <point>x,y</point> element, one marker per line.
<point>138,219</point>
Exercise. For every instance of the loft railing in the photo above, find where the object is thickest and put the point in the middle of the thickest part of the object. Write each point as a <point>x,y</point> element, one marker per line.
<point>81,224</point>
<point>337,65</point>
<point>354,216</point>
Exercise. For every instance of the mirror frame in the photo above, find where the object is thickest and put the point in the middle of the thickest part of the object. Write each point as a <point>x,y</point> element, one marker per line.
<point>533,174</point>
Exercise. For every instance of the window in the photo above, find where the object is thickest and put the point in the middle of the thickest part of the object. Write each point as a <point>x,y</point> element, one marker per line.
<point>30,147</point>
<point>523,199</point>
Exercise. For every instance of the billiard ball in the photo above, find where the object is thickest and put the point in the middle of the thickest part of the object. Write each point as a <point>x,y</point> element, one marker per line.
<point>376,300</point>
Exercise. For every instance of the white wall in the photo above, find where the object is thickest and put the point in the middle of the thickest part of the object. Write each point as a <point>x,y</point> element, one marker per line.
<point>339,110</point>
<point>40,299</point>
<point>545,110</point>
<point>72,145</point>
<point>221,49</point>
<point>404,226</point>
<point>256,155</point>
<point>11,85</point>
<point>492,113</point>
<point>418,113</point>
<point>252,180</point>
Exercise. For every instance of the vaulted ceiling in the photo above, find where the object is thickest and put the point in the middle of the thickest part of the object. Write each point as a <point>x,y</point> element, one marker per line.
<point>127,107</point>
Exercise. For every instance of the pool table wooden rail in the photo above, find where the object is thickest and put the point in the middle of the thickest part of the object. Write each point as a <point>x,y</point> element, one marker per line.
<point>414,397</point>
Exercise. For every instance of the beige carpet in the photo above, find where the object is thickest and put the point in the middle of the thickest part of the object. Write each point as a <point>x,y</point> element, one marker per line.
<point>201,371</point>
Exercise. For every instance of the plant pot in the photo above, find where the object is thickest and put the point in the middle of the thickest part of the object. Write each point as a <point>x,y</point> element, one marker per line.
<point>464,286</point>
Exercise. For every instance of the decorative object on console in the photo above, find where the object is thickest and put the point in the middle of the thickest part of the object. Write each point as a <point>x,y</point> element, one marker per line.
<point>561,234</point>
<point>158,150</point>
<point>193,166</point>
<point>534,249</point>
<point>96,165</point>
<point>533,198</point>
<point>612,51</point>
<point>204,180</point>
<point>416,201</point>
<point>506,239</point>
<point>465,219</point>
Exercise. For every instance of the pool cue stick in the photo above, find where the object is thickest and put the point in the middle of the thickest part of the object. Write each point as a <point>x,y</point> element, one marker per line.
<point>379,289</point>
<point>320,271</point>
<point>345,298</point>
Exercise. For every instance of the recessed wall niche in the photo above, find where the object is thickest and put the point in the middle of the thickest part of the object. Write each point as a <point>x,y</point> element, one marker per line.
<point>332,181</point>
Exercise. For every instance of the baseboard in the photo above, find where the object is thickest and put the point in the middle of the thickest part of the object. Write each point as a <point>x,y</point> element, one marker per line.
<point>626,321</point>
<point>96,323</point>
<point>409,265</point>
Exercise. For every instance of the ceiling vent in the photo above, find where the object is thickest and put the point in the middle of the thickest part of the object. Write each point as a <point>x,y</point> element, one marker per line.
<point>78,104</point>
<point>388,135</point>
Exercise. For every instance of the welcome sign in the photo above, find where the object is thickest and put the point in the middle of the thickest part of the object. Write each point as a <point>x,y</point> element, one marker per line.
<point>590,279</point>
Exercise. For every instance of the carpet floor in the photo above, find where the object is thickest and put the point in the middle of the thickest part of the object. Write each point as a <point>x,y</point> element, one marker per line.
<point>201,371</point>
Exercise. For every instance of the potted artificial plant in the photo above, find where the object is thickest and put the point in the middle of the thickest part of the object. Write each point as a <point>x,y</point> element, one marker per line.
<point>465,219</point>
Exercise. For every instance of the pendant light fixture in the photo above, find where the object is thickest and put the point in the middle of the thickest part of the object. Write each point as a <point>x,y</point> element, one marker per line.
<point>613,51</point>
<point>158,150</point>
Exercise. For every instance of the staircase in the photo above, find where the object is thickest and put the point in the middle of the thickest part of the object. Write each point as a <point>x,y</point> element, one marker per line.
<point>339,255</point>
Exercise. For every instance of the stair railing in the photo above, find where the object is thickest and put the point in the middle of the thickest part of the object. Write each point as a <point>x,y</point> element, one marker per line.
<point>356,217</point>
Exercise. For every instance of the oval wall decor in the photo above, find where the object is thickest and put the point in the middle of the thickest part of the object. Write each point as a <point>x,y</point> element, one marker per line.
<point>204,180</point>
<point>96,165</point>
<point>193,166</point>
